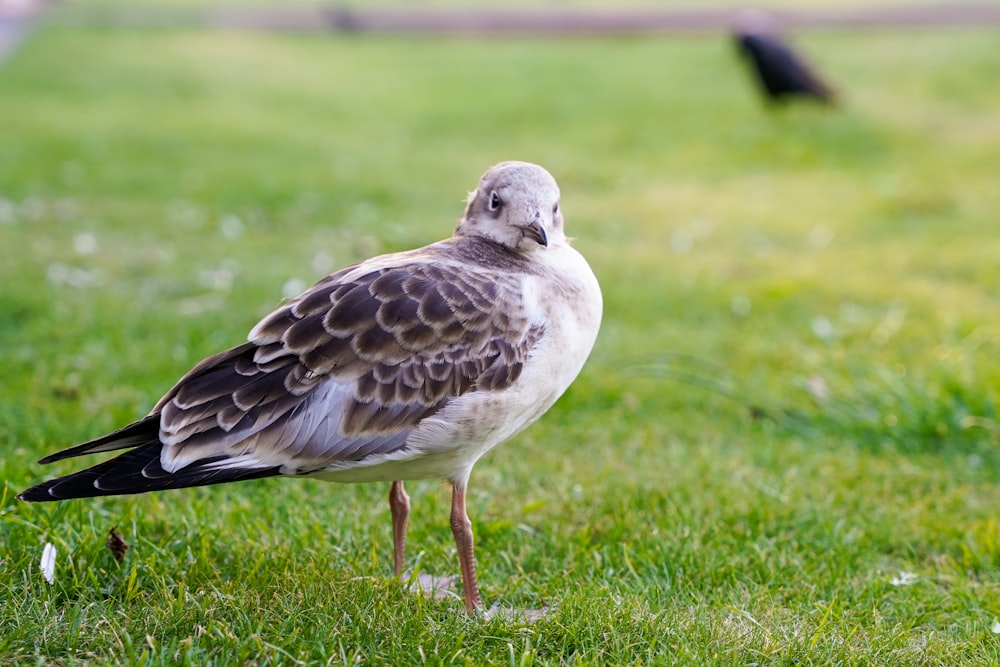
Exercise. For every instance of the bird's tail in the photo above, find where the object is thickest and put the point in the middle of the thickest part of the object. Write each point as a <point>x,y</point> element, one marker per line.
<point>135,471</point>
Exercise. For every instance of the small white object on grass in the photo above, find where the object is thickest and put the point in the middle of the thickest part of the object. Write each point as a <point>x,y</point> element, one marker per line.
<point>904,578</point>
<point>48,564</point>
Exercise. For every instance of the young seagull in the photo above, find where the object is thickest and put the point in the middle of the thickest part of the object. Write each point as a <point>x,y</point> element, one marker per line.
<point>411,365</point>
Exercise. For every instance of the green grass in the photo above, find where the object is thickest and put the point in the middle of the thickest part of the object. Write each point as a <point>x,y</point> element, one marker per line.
<point>792,400</point>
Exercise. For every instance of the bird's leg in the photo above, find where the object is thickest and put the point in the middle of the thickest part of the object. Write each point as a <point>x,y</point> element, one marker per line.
<point>461,528</point>
<point>399,508</point>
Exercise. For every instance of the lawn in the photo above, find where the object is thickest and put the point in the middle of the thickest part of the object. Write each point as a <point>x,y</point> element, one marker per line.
<point>784,449</point>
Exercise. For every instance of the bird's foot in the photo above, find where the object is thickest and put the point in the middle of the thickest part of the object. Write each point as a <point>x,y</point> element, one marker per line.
<point>441,588</point>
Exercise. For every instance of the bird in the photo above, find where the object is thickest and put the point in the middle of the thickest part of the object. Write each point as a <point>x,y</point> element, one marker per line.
<point>405,366</point>
<point>781,73</point>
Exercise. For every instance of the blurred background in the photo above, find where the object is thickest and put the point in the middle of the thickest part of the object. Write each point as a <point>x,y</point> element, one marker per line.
<point>792,210</point>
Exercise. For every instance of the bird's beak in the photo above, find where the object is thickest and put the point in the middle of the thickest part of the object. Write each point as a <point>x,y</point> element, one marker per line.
<point>536,233</point>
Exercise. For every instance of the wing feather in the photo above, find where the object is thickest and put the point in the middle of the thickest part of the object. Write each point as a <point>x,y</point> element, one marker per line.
<point>350,367</point>
<point>343,372</point>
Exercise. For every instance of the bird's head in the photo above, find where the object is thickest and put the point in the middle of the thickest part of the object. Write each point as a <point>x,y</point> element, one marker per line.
<point>516,204</point>
<point>755,22</point>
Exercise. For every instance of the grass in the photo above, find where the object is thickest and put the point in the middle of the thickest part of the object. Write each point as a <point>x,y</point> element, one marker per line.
<point>792,400</point>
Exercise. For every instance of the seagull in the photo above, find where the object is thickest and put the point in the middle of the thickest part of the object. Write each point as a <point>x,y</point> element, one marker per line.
<point>406,366</point>
<point>781,73</point>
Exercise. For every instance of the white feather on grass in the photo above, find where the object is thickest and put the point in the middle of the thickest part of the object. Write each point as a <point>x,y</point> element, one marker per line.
<point>48,564</point>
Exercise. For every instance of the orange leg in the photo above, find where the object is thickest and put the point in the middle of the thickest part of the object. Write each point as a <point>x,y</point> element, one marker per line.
<point>399,508</point>
<point>461,528</point>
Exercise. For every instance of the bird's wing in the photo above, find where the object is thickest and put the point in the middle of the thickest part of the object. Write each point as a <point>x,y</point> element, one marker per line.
<point>350,367</point>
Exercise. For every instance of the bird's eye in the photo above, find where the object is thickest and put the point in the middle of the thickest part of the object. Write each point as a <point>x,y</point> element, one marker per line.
<point>555,209</point>
<point>495,202</point>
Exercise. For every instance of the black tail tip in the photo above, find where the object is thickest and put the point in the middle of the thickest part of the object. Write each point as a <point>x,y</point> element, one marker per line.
<point>36,494</point>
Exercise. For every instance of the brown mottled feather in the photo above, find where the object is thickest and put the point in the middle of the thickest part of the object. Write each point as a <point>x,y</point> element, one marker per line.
<point>399,342</point>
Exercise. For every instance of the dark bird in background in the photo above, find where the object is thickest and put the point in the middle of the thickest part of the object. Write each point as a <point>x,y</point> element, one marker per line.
<point>781,73</point>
